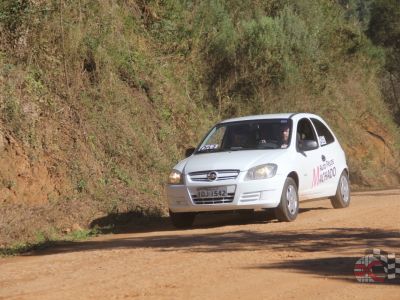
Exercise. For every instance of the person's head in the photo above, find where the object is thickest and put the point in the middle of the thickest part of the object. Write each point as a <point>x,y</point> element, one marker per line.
<point>285,133</point>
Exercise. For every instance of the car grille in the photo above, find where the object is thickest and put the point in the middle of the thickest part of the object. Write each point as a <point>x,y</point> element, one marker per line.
<point>221,175</point>
<point>214,200</point>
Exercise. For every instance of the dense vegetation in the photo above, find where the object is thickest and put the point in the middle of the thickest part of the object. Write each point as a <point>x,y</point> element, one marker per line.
<point>384,30</point>
<point>100,98</point>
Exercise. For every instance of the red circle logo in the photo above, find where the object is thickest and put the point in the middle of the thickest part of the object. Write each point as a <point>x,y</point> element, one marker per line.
<point>366,270</point>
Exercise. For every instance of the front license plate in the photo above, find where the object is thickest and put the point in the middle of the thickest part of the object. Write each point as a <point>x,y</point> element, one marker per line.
<point>212,192</point>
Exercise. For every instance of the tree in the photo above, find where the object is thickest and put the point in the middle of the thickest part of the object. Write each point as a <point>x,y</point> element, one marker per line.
<point>384,30</point>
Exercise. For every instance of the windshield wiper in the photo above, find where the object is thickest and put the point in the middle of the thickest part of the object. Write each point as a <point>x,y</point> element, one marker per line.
<point>236,148</point>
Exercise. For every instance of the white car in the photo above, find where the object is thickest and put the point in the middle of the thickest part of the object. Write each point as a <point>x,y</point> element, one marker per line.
<point>260,162</point>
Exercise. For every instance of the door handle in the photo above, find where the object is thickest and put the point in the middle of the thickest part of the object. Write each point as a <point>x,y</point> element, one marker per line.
<point>323,157</point>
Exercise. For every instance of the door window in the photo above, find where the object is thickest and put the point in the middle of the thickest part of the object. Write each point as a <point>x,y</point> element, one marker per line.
<point>305,132</point>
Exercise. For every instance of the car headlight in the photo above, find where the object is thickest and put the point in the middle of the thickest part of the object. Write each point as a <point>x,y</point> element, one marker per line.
<point>175,177</point>
<point>261,172</point>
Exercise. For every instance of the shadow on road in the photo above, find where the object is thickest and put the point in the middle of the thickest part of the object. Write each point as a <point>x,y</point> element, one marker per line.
<point>329,267</point>
<point>303,210</point>
<point>158,235</point>
<point>131,222</point>
<point>137,222</point>
<point>319,240</point>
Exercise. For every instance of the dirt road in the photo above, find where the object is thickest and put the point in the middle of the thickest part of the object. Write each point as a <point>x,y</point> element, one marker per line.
<point>223,257</point>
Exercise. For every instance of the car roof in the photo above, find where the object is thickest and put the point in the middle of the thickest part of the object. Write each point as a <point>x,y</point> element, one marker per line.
<point>269,116</point>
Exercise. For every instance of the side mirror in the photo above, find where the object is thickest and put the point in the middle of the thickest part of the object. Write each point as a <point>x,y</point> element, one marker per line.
<point>189,151</point>
<point>307,145</point>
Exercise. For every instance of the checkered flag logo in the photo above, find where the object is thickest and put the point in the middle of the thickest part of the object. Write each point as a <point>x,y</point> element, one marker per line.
<point>390,263</point>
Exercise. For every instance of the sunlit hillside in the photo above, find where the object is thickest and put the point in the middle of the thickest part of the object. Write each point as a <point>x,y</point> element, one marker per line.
<point>99,99</point>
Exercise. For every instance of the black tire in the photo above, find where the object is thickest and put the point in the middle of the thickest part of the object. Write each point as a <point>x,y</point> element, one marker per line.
<point>182,220</point>
<point>288,208</point>
<point>342,197</point>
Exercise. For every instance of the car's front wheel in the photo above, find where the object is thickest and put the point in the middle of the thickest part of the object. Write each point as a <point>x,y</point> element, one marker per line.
<point>182,220</point>
<point>342,197</point>
<point>288,208</point>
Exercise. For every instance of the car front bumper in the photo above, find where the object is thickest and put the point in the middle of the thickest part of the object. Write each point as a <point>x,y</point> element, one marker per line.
<point>253,194</point>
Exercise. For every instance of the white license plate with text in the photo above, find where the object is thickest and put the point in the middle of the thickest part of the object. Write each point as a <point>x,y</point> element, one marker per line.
<point>212,192</point>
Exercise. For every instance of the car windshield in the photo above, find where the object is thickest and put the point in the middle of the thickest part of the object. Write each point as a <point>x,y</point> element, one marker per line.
<point>248,135</point>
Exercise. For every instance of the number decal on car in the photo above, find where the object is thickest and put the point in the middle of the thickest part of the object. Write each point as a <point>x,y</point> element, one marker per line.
<point>209,147</point>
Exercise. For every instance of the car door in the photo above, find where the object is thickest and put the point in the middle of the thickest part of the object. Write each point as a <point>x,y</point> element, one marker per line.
<point>332,159</point>
<point>308,160</point>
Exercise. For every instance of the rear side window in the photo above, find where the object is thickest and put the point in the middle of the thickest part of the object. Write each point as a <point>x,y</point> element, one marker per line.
<point>324,135</point>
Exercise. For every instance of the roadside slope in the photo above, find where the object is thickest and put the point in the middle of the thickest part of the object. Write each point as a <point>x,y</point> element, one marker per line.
<point>100,99</point>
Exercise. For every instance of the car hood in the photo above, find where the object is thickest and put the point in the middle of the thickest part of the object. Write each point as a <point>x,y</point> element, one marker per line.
<point>238,160</point>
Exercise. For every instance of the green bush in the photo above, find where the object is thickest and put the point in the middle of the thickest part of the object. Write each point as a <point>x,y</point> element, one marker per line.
<point>13,14</point>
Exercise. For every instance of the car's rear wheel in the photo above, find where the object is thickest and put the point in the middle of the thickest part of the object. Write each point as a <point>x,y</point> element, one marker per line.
<point>288,208</point>
<point>182,220</point>
<point>342,197</point>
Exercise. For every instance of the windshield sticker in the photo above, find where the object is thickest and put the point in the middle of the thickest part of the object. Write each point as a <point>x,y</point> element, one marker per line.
<point>324,172</point>
<point>322,140</point>
<point>209,147</point>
